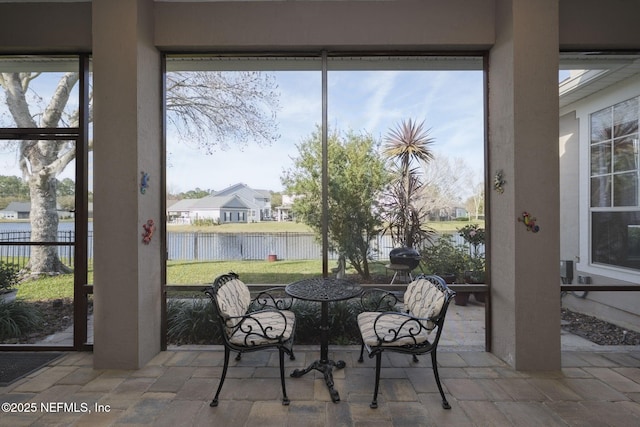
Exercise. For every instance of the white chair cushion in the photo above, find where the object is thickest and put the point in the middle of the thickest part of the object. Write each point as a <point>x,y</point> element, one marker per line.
<point>424,299</point>
<point>233,299</point>
<point>392,329</point>
<point>264,327</point>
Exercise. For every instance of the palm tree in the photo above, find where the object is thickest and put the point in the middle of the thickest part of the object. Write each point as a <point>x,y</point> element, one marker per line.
<point>408,143</point>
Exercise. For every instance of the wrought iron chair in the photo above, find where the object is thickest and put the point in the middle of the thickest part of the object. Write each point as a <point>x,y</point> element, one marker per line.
<point>425,306</point>
<point>252,325</point>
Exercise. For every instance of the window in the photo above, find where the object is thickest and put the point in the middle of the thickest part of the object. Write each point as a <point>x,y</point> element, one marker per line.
<point>615,185</point>
<point>273,146</point>
<point>45,180</point>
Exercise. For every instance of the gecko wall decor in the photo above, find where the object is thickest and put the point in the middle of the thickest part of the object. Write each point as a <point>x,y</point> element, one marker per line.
<point>529,222</point>
<point>498,182</point>
<point>144,182</point>
<point>149,227</point>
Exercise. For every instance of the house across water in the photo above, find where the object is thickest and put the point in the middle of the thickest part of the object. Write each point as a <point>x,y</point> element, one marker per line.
<point>237,203</point>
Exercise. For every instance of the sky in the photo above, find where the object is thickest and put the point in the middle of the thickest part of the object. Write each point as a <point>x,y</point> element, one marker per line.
<point>450,103</point>
<point>38,96</point>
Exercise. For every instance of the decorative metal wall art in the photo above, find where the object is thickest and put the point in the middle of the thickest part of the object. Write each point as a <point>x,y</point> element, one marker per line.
<point>498,182</point>
<point>529,222</point>
<point>144,182</point>
<point>149,227</point>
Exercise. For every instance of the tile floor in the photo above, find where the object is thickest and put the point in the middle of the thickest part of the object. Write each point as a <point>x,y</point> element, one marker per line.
<point>175,388</point>
<point>597,386</point>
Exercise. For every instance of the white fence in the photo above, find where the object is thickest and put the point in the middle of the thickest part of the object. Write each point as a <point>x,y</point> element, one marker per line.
<point>258,246</point>
<point>208,246</point>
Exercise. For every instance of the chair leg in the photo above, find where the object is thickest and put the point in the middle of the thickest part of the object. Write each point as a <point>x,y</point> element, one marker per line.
<point>374,402</point>
<point>239,356</point>
<point>285,399</point>
<point>214,402</point>
<point>361,359</point>
<point>434,364</point>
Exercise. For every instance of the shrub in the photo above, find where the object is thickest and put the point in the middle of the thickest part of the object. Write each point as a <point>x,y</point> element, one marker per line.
<point>17,319</point>
<point>343,323</point>
<point>445,257</point>
<point>474,235</point>
<point>190,321</point>
<point>307,321</point>
<point>206,222</point>
<point>8,276</point>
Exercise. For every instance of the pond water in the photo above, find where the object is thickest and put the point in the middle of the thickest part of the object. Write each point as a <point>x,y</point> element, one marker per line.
<point>26,226</point>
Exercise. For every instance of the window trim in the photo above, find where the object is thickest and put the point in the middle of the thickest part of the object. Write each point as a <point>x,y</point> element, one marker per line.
<point>583,114</point>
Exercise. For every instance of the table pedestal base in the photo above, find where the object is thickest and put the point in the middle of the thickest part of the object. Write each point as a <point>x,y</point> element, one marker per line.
<point>326,367</point>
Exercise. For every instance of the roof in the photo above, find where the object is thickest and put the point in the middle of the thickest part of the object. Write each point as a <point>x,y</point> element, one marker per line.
<point>18,207</point>
<point>220,202</point>
<point>594,72</point>
<point>182,205</point>
<point>244,191</point>
<point>212,202</point>
<point>237,196</point>
<point>26,207</point>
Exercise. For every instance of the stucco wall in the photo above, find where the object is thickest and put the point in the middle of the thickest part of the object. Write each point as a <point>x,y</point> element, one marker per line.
<point>522,87</point>
<point>340,25</point>
<point>291,25</point>
<point>597,24</point>
<point>45,27</point>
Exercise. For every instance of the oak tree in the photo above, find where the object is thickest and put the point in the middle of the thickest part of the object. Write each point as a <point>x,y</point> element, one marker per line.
<point>212,108</point>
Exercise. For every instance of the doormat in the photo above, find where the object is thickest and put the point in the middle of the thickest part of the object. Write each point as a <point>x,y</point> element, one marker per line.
<point>18,364</point>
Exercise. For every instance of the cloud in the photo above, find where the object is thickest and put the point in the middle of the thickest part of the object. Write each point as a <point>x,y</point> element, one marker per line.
<point>451,103</point>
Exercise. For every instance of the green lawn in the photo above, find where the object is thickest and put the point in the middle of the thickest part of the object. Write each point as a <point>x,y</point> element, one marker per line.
<point>253,272</point>
<point>47,288</point>
<point>202,272</point>
<point>198,273</point>
<point>451,227</point>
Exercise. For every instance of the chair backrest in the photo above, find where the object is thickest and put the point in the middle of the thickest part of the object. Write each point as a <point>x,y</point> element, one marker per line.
<point>426,297</point>
<point>231,296</point>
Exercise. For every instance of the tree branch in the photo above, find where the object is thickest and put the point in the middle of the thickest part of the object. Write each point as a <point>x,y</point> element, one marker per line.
<point>53,113</point>
<point>17,101</point>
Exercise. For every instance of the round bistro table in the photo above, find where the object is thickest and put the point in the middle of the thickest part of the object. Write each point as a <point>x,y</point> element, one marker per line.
<point>323,290</point>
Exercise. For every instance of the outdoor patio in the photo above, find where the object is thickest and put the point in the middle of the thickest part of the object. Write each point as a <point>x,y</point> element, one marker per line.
<point>597,386</point>
<point>175,388</point>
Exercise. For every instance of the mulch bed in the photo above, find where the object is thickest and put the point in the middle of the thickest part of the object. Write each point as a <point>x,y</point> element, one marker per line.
<point>57,316</point>
<point>596,330</point>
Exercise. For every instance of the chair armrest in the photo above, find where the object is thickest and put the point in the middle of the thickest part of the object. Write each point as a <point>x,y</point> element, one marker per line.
<point>401,328</point>
<point>376,299</point>
<point>274,298</point>
<point>252,326</point>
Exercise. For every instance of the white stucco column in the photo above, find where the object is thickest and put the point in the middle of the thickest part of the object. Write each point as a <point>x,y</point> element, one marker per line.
<point>127,142</point>
<point>523,143</point>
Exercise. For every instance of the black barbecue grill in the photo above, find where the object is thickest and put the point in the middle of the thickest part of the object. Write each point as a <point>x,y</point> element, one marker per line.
<point>405,256</point>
